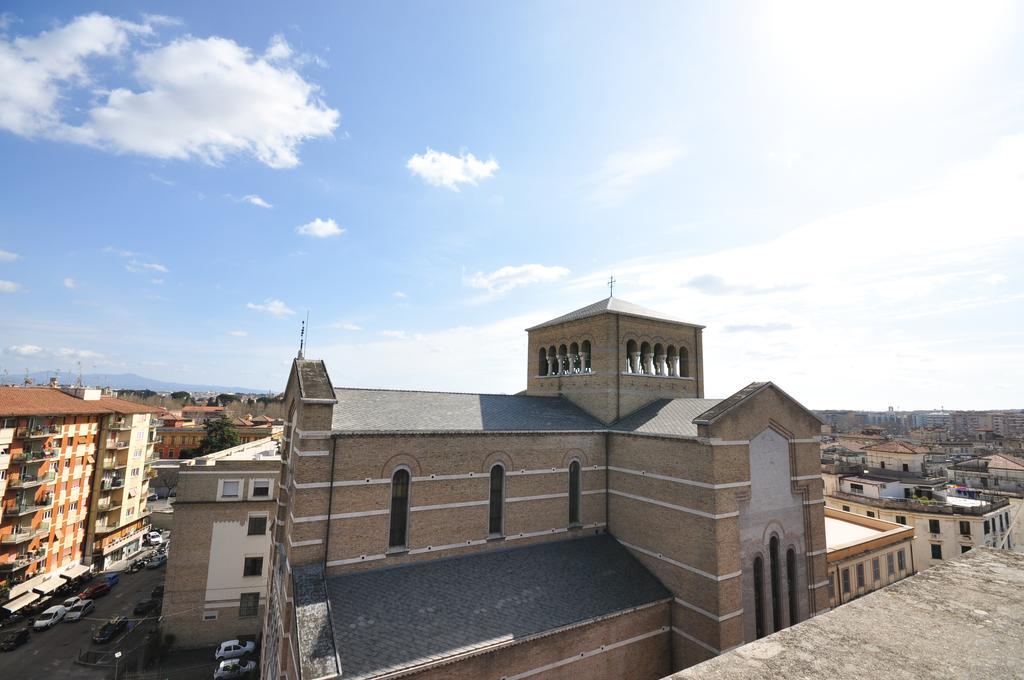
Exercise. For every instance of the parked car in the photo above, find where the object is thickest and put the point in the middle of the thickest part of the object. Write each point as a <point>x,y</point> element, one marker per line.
<point>152,497</point>
<point>234,668</point>
<point>111,577</point>
<point>147,606</point>
<point>51,617</point>
<point>78,610</point>
<point>157,562</point>
<point>158,591</point>
<point>110,630</point>
<point>14,639</point>
<point>71,602</point>
<point>153,538</point>
<point>232,649</point>
<point>94,590</point>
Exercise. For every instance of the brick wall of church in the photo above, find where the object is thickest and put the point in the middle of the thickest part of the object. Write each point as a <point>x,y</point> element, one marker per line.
<point>636,646</point>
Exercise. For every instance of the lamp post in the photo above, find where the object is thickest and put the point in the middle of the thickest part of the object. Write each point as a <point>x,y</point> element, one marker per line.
<point>117,665</point>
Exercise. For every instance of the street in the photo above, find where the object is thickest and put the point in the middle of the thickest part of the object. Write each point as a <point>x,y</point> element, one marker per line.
<point>50,654</point>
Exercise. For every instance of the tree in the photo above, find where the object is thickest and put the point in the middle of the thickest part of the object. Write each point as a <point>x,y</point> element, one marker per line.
<point>225,399</point>
<point>181,396</point>
<point>220,434</point>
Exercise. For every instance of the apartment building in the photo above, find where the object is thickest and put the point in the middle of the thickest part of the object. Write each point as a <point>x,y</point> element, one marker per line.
<point>216,585</point>
<point>609,522</point>
<point>180,436</point>
<point>50,440</point>
<point>864,554</point>
<point>947,519</point>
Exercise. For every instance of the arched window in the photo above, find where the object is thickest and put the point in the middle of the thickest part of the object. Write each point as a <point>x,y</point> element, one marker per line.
<point>773,557</point>
<point>794,617</point>
<point>632,358</point>
<point>574,358</point>
<point>585,357</point>
<point>759,596</point>
<point>494,527</point>
<point>646,359</point>
<point>542,362</point>
<point>684,362</point>
<point>673,360</point>
<point>563,359</point>
<point>659,359</point>
<point>574,492</point>
<point>398,536</point>
<point>553,360</point>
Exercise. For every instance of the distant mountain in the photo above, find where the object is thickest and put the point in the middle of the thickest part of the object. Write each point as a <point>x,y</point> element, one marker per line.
<point>131,381</point>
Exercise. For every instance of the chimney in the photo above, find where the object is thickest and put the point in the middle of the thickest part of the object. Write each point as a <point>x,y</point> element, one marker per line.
<point>54,382</point>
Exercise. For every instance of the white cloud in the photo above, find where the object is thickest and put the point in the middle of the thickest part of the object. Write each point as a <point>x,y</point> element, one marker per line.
<point>319,228</point>
<point>400,295</point>
<point>238,334</point>
<point>69,283</point>
<point>440,169</point>
<point>255,200</point>
<point>401,335</point>
<point>507,278</point>
<point>136,266</point>
<point>9,286</point>
<point>825,299</point>
<point>205,98</point>
<point>25,350</point>
<point>119,252</point>
<point>72,353</point>
<point>345,326</point>
<point>273,307</point>
<point>6,256</point>
<point>621,171</point>
<point>157,178</point>
<point>278,49</point>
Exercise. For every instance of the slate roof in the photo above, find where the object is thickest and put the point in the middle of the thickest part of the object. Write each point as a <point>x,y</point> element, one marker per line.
<point>363,410</point>
<point>315,644</point>
<point>666,416</point>
<point>314,383</point>
<point>612,305</point>
<point>897,446</point>
<point>401,617</point>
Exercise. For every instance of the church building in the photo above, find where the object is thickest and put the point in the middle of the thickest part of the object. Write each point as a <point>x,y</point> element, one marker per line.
<point>610,521</point>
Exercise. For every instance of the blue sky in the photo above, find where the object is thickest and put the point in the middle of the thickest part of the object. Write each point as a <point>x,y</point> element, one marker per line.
<point>836,193</point>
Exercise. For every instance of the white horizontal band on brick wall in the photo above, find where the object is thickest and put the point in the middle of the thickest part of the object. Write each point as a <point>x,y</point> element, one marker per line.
<point>803,478</point>
<point>297,544</point>
<point>437,478</point>
<point>704,612</point>
<point>313,453</point>
<point>586,655</point>
<point>678,480</point>
<point>808,440</point>
<point>723,442</point>
<point>542,497</point>
<point>226,473</point>
<point>671,506</point>
<point>446,506</point>
<point>450,546</point>
<point>820,584</point>
<point>355,560</point>
<point>817,552</point>
<point>592,491</point>
<point>687,567</point>
<point>820,500</point>
<point>532,534</point>
<point>339,515</point>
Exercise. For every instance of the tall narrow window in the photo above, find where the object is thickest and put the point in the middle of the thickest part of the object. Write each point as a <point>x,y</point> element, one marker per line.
<point>399,509</point>
<point>773,557</point>
<point>574,492</point>
<point>759,596</point>
<point>497,497</point>
<point>791,582</point>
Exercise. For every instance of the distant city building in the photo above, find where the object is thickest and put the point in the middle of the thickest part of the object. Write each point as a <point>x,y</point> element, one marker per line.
<point>226,505</point>
<point>864,554</point>
<point>183,435</point>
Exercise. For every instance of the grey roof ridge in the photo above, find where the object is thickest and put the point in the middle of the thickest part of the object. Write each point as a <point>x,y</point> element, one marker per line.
<point>558,320</point>
<point>468,394</point>
<point>298,374</point>
<point>383,433</point>
<point>701,420</point>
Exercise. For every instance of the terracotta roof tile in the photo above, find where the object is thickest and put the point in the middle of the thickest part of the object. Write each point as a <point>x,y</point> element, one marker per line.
<point>43,401</point>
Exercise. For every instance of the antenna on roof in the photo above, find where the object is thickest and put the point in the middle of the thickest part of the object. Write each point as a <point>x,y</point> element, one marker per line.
<point>79,383</point>
<point>611,285</point>
<point>302,337</point>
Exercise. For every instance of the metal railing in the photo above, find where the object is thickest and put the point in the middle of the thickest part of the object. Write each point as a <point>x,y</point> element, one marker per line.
<point>26,481</point>
<point>35,455</point>
<point>117,444</point>
<point>937,506</point>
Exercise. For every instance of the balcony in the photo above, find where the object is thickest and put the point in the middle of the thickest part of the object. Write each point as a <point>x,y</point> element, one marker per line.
<point>29,508</point>
<point>111,463</point>
<point>37,431</point>
<point>120,424</point>
<point>22,561</point>
<point>109,484</point>
<point>23,534</point>
<point>35,456</point>
<point>930,506</point>
<point>29,481</point>
<point>117,444</point>
<point>107,504</point>
<point>105,527</point>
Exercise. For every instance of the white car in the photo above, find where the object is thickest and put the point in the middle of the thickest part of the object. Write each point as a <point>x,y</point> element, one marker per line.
<point>233,668</point>
<point>232,649</point>
<point>51,617</point>
<point>79,610</point>
<point>71,602</point>
<point>154,538</point>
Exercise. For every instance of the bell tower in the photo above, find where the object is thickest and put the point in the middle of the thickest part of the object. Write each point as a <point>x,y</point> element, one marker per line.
<point>613,357</point>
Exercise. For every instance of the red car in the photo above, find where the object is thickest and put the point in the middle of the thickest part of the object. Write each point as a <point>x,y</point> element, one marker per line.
<point>95,590</point>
